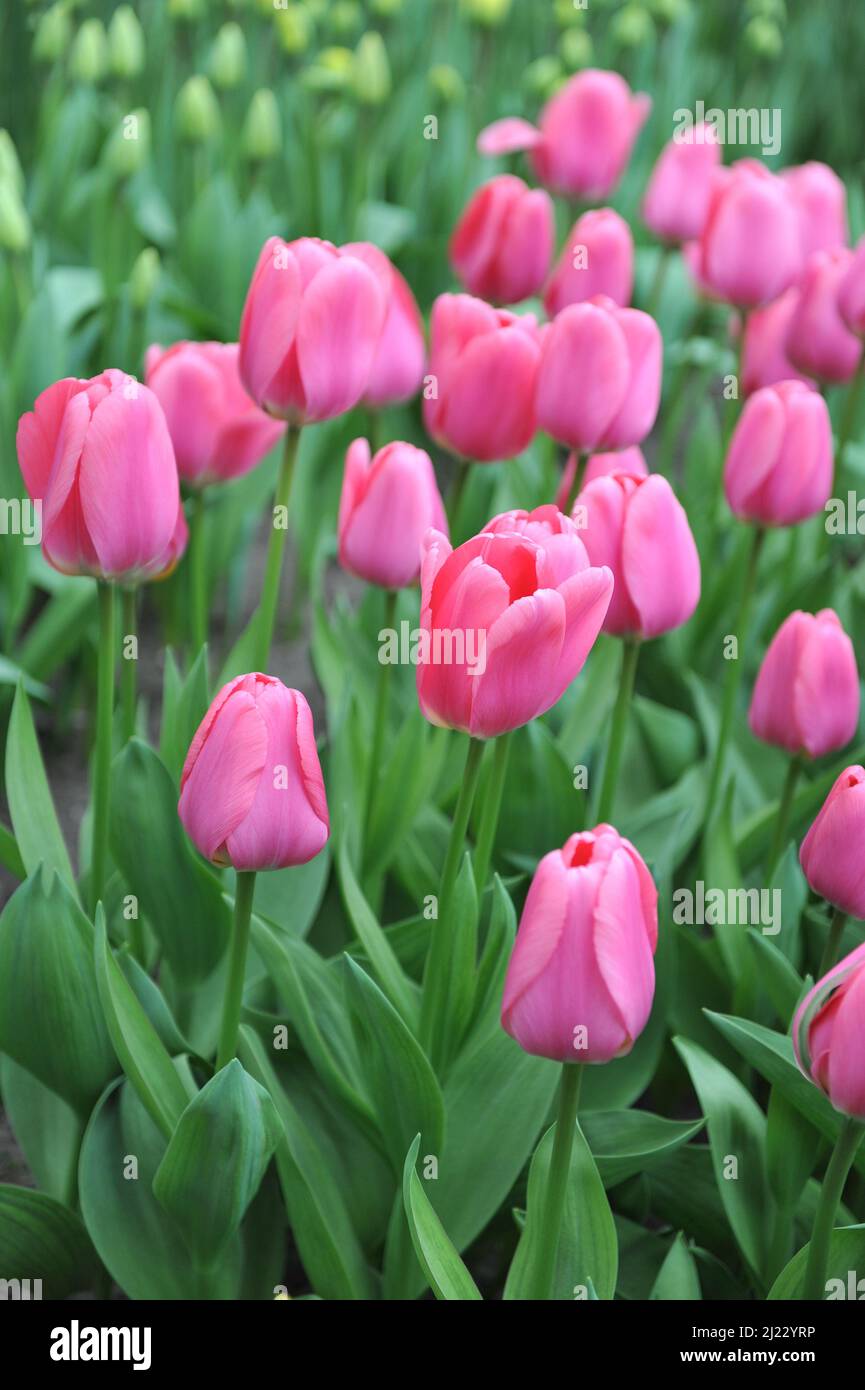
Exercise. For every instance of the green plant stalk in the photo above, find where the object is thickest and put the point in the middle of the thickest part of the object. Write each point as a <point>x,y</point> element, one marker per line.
<point>198,573</point>
<point>832,947</point>
<point>433,1020</point>
<point>733,675</point>
<point>849,1138</point>
<point>557,1180</point>
<point>618,729</point>
<point>457,491</point>
<point>243,896</point>
<point>848,419</point>
<point>102,763</point>
<point>129,665</point>
<point>577,482</point>
<point>785,806</point>
<point>275,551</point>
<point>380,719</point>
<point>662,265</point>
<point>490,811</point>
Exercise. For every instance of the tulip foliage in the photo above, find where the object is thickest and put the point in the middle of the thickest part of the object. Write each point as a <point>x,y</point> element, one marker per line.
<point>433,829</point>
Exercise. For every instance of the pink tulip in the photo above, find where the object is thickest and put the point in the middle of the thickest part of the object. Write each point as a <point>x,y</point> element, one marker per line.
<point>98,456</point>
<point>831,853</point>
<point>676,201</point>
<point>820,199</point>
<point>310,330</point>
<point>218,432</point>
<point>251,791</point>
<point>829,1034</point>
<point>599,466</point>
<point>598,259</point>
<point>171,557</point>
<point>581,978</point>
<point>508,136</point>
<point>483,364</point>
<point>818,339</point>
<point>599,381</point>
<point>778,469</point>
<point>638,528</point>
<point>387,506</point>
<point>502,245</point>
<point>397,369</point>
<point>806,698</point>
<point>522,604</point>
<point>749,251</point>
<point>764,352</point>
<point>851,292</point>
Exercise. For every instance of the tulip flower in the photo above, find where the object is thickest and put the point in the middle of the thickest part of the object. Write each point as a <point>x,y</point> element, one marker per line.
<point>676,201</point>
<point>484,364</point>
<point>750,249</point>
<point>831,853</point>
<point>598,259</point>
<point>387,506</point>
<point>580,984</point>
<point>598,466</point>
<point>502,245</point>
<point>818,340</point>
<point>851,291</point>
<point>398,363</point>
<point>252,796</point>
<point>829,1043</point>
<point>820,199</point>
<point>764,346</point>
<point>778,469</point>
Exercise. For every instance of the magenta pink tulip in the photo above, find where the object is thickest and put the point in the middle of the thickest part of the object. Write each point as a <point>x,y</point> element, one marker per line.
<point>251,791</point>
<point>750,248</point>
<point>676,202</point>
<point>98,456</point>
<point>171,557</point>
<point>829,1034</point>
<point>851,292</point>
<point>523,607</point>
<point>581,979</point>
<point>638,528</point>
<point>831,853</point>
<point>599,382</point>
<point>764,352</point>
<point>398,364</point>
<point>217,430</point>
<point>806,698</point>
<point>387,506</point>
<point>600,466</point>
<point>818,339</point>
<point>820,199</point>
<point>484,365</point>
<point>778,469</point>
<point>310,330</point>
<point>502,245</point>
<point>598,259</point>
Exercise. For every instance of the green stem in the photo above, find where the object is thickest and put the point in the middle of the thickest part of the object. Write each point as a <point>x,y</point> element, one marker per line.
<point>243,895</point>
<point>618,729</point>
<point>657,289</point>
<point>490,811</point>
<point>457,490</point>
<point>129,665</point>
<point>848,419</point>
<point>576,481</point>
<point>840,1164</point>
<point>198,572</point>
<point>785,805</point>
<point>832,948</point>
<point>380,725</point>
<point>433,1024</point>
<point>734,674</point>
<point>557,1179</point>
<point>275,550</point>
<point>102,764</point>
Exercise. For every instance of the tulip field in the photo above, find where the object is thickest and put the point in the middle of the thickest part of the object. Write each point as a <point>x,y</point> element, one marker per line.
<point>432,604</point>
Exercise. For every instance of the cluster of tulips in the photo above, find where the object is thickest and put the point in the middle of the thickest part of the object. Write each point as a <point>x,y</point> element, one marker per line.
<point>326,329</point>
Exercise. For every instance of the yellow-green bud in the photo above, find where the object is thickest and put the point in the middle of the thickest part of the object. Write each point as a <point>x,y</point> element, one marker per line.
<point>567,13</point>
<point>128,145</point>
<point>487,12</point>
<point>10,165</point>
<point>196,111</point>
<point>446,83</point>
<point>668,11</point>
<point>14,222</point>
<point>126,43</point>
<point>632,27</point>
<point>575,46</point>
<point>386,9</point>
<point>293,29</point>
<point>764,37</point>
<point>144,278</point>
<point>262,129</point>
<point>371,74</point>
<point>52,36</point>
<point>227,64</point>
<point>543,76</point>
<point>186,9</point>
<point>331,71</point>
<point>344,18</point>
<point>89,58</point>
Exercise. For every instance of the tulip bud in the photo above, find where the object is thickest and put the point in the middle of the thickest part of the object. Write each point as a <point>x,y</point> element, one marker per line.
<point>676,202</point>
<point>763,37</point>
<point>14,222</point>
<point>806,697</point>
<point>581,979</point>
<point>53,33</point>
<point>386,9</point>
<point>186,10</point>
<point>778,469</point>
<point>829,1034</point>
<point>588,130</point>
<point>765,361</point>
<point>750,249</point>
<point>598,259</point>
<point>446,84</point>
<point>575,46</point>
<point>820,199</point>
<point>371,71</point>
<point>293,29</point>
<point>332,71</point>
<point>344,18</point>
<point>196,111</point>
<point>262,130</point>
<point>502,244</point>
<point>144,278</point>
<point>388,504</point>
<point>851,292</point>
<point>251,790</point>
<point>831,852</point>
<point>600,466</point>
<point>88,60</point>
<point>10,165</point>
<point>128,146</point>
<point>227,65</point>
<point>489,13</point>
<point>543,76</point>
<point>126,43</point>
<point>818,340</point>
<point>397,369</point>
<point>632,27</point>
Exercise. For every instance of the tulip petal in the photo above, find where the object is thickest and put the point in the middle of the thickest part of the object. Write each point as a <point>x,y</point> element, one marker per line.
<point>622,944</point>
<point>338,330</point>
<point>269,321</point>
<point>587,598</point>
<point>523,647</point>
<point>508,136</point>
<point>220,784</point>
<point>660,563</point>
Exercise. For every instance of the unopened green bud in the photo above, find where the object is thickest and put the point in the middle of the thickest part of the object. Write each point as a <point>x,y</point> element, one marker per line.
<point>386,9</point>
<point>632,27</point>
<point>14,222</point>
<point>144,278</point>
<point>490,13</point>
<point>197,111</point>
<point>764,37</point>
<point>575,46</point>
<point>262,129</point>
<point>126,43</point>
<point>567,13</point>
<point>371,74</point>
<point>10,165</point>
<point>331,71</point>
<point>52,36</point>
<point>446,83</point>
<point>89,58</point>
<point>186,9</point>
<point>128,144</point>
<point>227,64</point>
<point>668,11</point>
<point>543,76</point>
<point>293,29</point>
<point>344,18</point>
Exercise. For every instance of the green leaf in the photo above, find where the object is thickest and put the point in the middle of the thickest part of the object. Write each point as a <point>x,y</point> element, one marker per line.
<point>10,855</point>
<point>140,1052</point>
<point>846,1254</point>
<point>677,1278</point>
<point>447,1275</point>
<point>37,830</point>
<point>722,872</point>
<point>46,1129</point>
<point>42,1240</point>
<point>50,1016</point>
<point>216,1159</point>
<point>385,966</point>
<point>776,974</point>
<point>290,898</point>
<point>624,1142</point>
<point>184,705</point>
<point>493,963</point>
